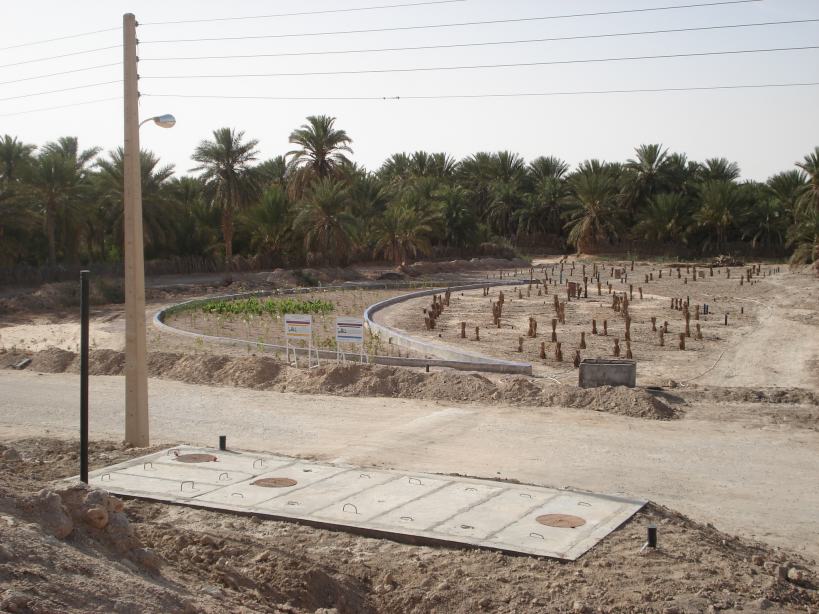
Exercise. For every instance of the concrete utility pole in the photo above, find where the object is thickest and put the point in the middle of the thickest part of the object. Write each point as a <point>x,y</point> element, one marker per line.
<point>136,367</point>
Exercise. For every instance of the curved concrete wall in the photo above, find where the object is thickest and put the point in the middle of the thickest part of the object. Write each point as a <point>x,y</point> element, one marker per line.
<point>449,353</point>
<point>442,356</point>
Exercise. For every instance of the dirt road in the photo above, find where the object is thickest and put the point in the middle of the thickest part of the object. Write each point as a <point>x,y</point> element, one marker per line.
<point>728,464</point>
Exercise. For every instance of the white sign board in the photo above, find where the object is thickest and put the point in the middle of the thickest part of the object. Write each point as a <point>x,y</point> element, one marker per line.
<point>298,327</point>
<point>350,330</point>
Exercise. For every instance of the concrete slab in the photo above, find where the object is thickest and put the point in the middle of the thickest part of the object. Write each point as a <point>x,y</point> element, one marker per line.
<point>420,507</point>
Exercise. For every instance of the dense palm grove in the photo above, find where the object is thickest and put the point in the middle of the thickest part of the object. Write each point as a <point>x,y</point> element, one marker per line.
<point>60,204</point>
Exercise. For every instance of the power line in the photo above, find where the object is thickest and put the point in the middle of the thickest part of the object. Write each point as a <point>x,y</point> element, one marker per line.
<point>59,57</point>
<point>302,13</point>
<point>62,106</point>
<point>58,38</point>
<point>65,89</point>
<point>485,66</point>
<point>498,95</point>
<point>56,74</point>
<point>454,25</point>
<point>481,44</point>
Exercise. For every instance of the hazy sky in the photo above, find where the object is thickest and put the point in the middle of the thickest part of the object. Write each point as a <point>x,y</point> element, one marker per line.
<point>765,130</point>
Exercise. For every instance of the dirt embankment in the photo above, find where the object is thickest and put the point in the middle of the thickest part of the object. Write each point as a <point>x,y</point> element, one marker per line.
<point>265,373</point>
<point>74,550</point>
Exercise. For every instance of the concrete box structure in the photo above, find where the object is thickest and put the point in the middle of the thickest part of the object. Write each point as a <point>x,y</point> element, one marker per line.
<point>596,372</point>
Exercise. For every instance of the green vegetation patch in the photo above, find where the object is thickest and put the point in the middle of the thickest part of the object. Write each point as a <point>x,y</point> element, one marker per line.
<point>256,306</point>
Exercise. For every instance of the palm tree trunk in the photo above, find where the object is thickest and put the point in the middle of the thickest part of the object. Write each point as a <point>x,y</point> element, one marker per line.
<point>227,234</point>
<point>51,233</point>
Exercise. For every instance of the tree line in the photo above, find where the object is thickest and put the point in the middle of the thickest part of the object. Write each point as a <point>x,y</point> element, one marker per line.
<point>60,204</point>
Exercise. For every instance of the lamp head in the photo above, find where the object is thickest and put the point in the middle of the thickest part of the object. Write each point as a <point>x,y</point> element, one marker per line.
<point>165,121</point>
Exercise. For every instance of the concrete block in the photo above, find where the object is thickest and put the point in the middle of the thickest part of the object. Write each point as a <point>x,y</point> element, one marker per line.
<point>596,372</point>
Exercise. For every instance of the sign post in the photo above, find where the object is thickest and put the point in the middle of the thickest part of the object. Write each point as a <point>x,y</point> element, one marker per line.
<point>299,328</point>
<point>350,330</point>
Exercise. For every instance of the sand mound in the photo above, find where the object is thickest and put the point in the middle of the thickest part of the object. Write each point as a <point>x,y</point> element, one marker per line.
<point>52,360</point>
<point>266,373</point>
<point>255,372</point>
<point>798,396</point>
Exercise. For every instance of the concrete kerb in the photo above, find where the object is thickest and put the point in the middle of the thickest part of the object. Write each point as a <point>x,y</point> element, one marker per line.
<point>450,354</point>
<point>442,356</point>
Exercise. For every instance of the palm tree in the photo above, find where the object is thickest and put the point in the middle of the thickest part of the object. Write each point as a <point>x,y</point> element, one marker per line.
<point>230,181</point>
<point>663,219</point>
<point>644,176</point>
<point>325,221</point>
<point>14,154</point>
<point>719,169</point>
<point>320,151</point>
<point>403,233</point>
<point>56,180</point>
<point>267,223</point>
<point>157,221</point>
<point>720,203</point>
<point>592,209</point>
<point>460,224</point>
<point>808,205</point>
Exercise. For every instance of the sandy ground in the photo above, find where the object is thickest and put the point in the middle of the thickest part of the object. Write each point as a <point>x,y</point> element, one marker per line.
<point>770,344</point>
<point>715,465</point>
<point>68,550</point>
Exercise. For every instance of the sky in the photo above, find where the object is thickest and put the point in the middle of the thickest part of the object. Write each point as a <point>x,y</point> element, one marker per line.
<point>764,130</point>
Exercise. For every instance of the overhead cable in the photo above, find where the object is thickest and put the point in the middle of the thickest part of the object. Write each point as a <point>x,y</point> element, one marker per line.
<point>302,13</point>
<point>480,44</point>
<point>490,95</point>
<point>452,25</point>
<point>481,66</point>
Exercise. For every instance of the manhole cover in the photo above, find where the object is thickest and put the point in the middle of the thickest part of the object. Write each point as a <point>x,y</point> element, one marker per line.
<point>561,521</point>
<point>195,458</point>
<point>274,482</point>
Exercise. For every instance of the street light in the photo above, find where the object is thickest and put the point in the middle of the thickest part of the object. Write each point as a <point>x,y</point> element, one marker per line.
<point>163,121</point>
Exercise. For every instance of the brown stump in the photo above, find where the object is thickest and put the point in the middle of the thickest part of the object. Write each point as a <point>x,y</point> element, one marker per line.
<point>594,327</point>
<point>699,332</point>
<point>599,293</point>
<point>558,353</point>
<point>477,333</point>
<point>662,338</point>
<point>628,329</point>
<point>463,330</point>
<point>554,327</point>
<point>543,350</point>
<point>520,344</point>
<point>583,340</point>
<point>577,359</point>
<point>653,324</point>
<point>631,292</point>
<point>641,293</point>
<point>682,341</point>
<point>665,326</point>
<point>697,312</point>
<point>616,348</point>
<point>605,328</point>
<point>629,355</point>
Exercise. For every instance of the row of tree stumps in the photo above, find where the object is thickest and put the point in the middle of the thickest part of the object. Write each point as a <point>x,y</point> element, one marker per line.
<point>577,288</point>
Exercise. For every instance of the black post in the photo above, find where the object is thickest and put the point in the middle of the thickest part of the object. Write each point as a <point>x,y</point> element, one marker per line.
<point>84,376</point>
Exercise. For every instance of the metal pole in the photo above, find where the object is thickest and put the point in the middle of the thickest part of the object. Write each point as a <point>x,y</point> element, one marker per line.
<point>84,376</point>
<point>136,370</point>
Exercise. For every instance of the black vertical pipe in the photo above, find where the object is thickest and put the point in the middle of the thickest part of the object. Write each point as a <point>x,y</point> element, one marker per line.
<point>84,376</point>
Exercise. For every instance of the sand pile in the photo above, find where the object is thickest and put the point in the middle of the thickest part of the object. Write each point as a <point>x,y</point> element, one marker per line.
<point>266,373</point>
<point>797,396</point>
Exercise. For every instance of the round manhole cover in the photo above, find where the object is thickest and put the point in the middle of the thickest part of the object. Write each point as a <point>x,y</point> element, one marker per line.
<point>195,458</point>
<point>274,482</point>
<point>561,521</point>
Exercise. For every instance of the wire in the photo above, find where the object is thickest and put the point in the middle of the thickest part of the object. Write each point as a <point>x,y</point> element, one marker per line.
<point>481,44</point>
<point>62,106</point>
<point>58,57</point>
<point>453,25</point>
<point>484,66</point>
<point>324,12</point>
<point>65,89</point>
<point>509,95</point>
<point>59,38</point>
<point>55,74</point>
